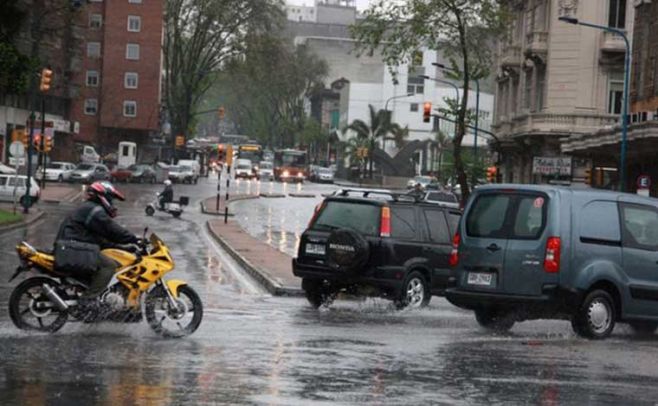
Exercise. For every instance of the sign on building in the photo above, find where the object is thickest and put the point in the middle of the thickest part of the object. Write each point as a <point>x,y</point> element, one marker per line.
<point>551,166</point>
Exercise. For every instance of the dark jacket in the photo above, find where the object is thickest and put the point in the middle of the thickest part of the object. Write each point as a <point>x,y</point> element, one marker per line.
<point>167,194</point>
<point>90,223</point>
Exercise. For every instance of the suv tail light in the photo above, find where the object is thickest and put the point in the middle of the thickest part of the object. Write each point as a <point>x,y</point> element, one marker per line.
<point>385,222</point>
<point>454,254</point>
<point>552,258</point>
<point>317,210</point>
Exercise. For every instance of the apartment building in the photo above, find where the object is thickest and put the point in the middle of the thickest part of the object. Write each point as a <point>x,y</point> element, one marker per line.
<point>556,81</point>
<point>119,73</point>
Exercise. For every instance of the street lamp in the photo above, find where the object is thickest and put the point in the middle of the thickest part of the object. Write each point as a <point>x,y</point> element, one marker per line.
<point>397,97</point>
<point>624,113</point>
<point>444,82</point>
<point>477,105</point>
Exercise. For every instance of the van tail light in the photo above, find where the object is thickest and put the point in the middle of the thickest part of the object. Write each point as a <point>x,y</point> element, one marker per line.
<point>318,209</point>
<point>385,222</point>
<point>552,258</point>
<point>454,254</point>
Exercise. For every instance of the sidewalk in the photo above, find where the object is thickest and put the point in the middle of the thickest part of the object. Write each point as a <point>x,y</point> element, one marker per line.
<point>56,193</point>
<point>269,266</point>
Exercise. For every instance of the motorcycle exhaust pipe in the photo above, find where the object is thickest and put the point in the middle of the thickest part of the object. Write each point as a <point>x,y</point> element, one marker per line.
<point>55,298</point>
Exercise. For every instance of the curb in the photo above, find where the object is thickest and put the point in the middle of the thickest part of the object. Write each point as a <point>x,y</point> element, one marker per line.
<point>261,276</point>
<point>213,213</point>
<point>22,224</point>
<point>204,210</point>
<point>302,195</point>
<point>272,195</point>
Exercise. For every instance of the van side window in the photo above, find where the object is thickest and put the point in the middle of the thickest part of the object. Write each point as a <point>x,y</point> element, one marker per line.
<point>14,181</point>
<point>640,227</point>
<point>599,223</point>
<point>3,180</point>
<point>437,227</point>
<point>487,217</point>
<point>403,223</point>
<point>529,220</point>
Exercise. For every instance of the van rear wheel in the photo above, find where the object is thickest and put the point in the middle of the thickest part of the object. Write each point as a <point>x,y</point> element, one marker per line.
<point>495,320</point>
<point>595,318</point>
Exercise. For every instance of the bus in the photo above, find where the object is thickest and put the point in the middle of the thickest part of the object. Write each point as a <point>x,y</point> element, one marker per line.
<point>252,152</point>
<point>290,165</point>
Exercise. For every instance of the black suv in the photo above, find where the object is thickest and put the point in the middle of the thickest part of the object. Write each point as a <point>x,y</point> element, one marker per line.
<point>376,243</point>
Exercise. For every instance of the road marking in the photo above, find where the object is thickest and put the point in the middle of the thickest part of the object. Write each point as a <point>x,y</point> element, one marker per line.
<point>230,265</point>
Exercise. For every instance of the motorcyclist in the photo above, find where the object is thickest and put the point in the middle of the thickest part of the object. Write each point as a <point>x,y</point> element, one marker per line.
<point>418,191</point>
<point>167,195</point>
<point>92,223</point>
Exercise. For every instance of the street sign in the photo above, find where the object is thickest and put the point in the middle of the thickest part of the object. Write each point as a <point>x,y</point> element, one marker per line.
<point>644,182</point>
<point>180,140</point>
<point>16,149</point>
<point>551,166</point>
<point>16,161</point>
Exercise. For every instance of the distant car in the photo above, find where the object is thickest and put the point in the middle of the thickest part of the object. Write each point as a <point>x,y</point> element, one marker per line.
<point>324,175</point>
<point>87,173</point>
<point>243,169</point>
<point>120,174</point>
<point>4,169</point>
<point>181,174</point>
<point>56,171</point>
<point>265,171</point>
<point>10,184</point>
<point>442,198</point>
<point>142,174</point>
<point>424,181</point>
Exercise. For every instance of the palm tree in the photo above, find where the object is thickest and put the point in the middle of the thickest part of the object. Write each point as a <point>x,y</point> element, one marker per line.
<point>351,148</point>
<point>399,135</point>
<point>379,127</point>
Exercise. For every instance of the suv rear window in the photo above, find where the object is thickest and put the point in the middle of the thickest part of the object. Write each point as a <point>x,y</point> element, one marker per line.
<point>442,197</point>
<point>520,216</point>
<point>361,217</point>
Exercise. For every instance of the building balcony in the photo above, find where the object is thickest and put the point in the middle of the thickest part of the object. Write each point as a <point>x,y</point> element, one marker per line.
<point>537,42</point>
<point>548,123</point>
<point>510,55</point>
<point>611,42</point>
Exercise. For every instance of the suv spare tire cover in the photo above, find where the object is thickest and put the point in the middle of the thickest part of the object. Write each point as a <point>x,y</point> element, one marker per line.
<point>347,250</point>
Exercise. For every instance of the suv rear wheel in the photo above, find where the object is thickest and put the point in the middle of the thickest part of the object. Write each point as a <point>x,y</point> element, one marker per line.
<point>317,293</point>
<point>595,318</point>
<point>492,319</point>
<point>415,292</point>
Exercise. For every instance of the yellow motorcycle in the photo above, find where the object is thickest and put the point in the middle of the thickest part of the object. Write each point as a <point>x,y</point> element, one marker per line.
<point>46,303</point>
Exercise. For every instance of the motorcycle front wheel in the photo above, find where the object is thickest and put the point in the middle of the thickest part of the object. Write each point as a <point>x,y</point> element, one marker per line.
<point>173,321</point>
<point>31,309</point>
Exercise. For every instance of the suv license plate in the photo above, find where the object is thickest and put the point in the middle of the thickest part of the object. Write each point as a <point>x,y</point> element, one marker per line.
<point>315,249</point>
<point>481,279</point>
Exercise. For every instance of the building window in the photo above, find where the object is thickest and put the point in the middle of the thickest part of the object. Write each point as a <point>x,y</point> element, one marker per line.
<point>130,80</point>
<point>615,96</point>
<point>415,83</point>
<point>541,85</point>
<point>527,90</point>
<point>135,1</point>
<point>92,78</point>
<point>130,108</point>
<point>417,58</point>
<point>413,107</point>
<point>132,52</point>
<point>95,21</point>
<point>617,13</point>
<point>91,107</point>
<point>93,49</point>
<point>134,23</point>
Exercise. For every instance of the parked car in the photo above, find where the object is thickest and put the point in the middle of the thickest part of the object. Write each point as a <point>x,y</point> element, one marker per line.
<point>424,181</point>
<point>88,172</point>
<point>181,174</point>
<point>243,169</point>
<point>56,171</point>
<point>119,174</point>
<point>14,185</point>
<point>265,170</point>
<point>324,175</point>
<point>376,243</point>
<point>442,198</point>
<point>142,173</point>
<point>4,169</point>
<point>525,252</point>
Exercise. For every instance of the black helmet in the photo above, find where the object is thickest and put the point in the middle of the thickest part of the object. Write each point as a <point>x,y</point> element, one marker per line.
<point>104,193</point>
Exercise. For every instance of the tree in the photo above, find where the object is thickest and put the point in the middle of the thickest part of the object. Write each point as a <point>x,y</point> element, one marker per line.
<point>399,135</point>
<point>380,125</point>
<point>200,37</point>
<point>441,143</point>
<point>461,29</point>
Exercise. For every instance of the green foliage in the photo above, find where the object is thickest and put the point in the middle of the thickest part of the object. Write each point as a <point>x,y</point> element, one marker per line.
<point>14,70</point>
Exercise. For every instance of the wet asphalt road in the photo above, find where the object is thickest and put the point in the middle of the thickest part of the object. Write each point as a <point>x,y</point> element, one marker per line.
<point>253,348</point>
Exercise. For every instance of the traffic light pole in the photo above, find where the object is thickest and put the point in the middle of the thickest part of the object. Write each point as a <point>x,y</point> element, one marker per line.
<point>228,185</point>
<point>219,185</point>
<point>43,142</point>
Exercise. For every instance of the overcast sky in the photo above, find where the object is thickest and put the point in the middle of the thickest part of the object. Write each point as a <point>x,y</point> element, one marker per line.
<point>360,4</point>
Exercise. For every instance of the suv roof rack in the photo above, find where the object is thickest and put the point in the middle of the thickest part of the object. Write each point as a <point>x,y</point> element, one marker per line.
<point>367,192</point>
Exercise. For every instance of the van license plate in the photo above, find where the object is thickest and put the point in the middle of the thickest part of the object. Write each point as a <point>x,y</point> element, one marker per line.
<point>315,249</point>
<point>481,279</point>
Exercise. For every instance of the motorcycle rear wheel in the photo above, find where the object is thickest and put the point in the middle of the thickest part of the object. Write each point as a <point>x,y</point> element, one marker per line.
<point>170,322</point>
<point>24,302</point>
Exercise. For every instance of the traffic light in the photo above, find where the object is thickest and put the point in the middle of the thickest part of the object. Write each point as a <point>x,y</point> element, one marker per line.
<point>491,174</point>
<point>588,176</point>
<point>221,153</point>
<point>46,79</point>
<point>220,113</point>
<point>48,144</point>
<point>427,112</point>
<point>36,142</point>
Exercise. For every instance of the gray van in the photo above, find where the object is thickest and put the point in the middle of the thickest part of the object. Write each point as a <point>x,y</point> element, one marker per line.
<point>535,252</point>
